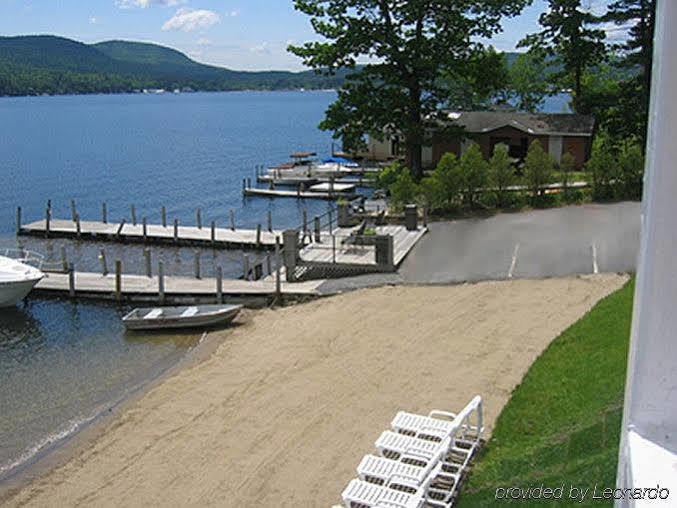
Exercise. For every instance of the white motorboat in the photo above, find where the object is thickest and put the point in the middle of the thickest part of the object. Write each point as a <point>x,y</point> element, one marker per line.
<point>18,275</point>
<point>180,317</point>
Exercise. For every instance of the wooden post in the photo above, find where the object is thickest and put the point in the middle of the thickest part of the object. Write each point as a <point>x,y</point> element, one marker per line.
<point>258,235</point>
<point>64,261</point>
<point>118,280</point>
<point>269,267</point>
<point>219,285</point>
<point>197,264</point>
<point>145,230</point>
<point>102,260</point>
<point>244,184</point>
<point>213,232</point>
<point>104,213</point>
<point>331,220</point>
<point>164,217</point>
<point>176,230</point>
<point>161,281</point>
<point>47,219</point>
<point>73,211</point>
<point>305,225</point>
<point>249,182</point>
<point>18,219</point>
<point>198,216</point>
<point>270,221</point>
<point>278,276</point>
<point>77,224</point>
<point>232,220</point>
<point>71,280</point>
<point>316,225</point>
<point>245,266</point>
<point>122,225</point>
<point>146,255</point>
<point>133,210</point>
<point>333,248</point>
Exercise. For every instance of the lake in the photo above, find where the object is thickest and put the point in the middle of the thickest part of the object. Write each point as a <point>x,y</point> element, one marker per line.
<point>62,363</point>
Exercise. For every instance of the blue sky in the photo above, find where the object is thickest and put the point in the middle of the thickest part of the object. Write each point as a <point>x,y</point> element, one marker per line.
<point>238,34</point>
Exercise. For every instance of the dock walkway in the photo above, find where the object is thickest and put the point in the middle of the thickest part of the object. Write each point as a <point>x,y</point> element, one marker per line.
<point>155,233</point>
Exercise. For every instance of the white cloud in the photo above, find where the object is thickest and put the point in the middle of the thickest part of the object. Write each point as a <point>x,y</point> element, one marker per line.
<point>263,48</point>
<point>94,20</point>
<point>127,4</point>
<point>234,13</point>
<point>202,41</point>
<point>615,33</point>
<point>187,19</point>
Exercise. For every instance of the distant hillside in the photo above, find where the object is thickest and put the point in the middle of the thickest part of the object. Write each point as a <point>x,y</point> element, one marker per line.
<point>56,65</point>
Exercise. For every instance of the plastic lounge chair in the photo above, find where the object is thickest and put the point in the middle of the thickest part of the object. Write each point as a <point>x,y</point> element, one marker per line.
<point>395,445</point>
<point>388,472</point>
<point>365,494</point>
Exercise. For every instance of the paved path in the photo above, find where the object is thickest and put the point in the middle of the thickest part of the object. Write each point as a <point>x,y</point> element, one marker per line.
<point>537,244</point>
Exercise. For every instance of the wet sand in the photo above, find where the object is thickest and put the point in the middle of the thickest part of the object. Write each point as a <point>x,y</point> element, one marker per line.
<point>282,412</point>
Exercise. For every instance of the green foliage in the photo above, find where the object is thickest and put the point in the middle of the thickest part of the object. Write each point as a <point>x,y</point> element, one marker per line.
<point>603,168</point>
<point>566,167</point>
<point>475,171</point>
<point>443,187</point>
<point>528,83</point>
<point>562,423</point>
<point>538,168</point>
<point>386,177</point>
<point>630,174</point>
<point>403,190</point>
<point>410,46</point>
<point>501,174</point>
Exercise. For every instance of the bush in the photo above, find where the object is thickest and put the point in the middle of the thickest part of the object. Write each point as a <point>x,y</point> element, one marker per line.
<point>602,167</point>
<point>630,172</point>
<point>538,169</point>
<point>388,176</point>
<point>403,190</point>
<point>474,170</point>
<point>566,166</point>
<point>501,174</point>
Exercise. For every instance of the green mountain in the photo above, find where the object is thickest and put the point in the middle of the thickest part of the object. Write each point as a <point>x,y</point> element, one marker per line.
<point>56,65</point>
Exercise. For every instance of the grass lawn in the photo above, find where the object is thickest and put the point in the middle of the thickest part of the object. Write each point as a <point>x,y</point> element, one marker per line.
<point>562,424</point>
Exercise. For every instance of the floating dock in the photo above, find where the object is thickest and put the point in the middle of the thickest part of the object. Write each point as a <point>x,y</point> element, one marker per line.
<point>153,233</point>
<point>139,288</point>
<point>294,181</point>
<point>298,194</point>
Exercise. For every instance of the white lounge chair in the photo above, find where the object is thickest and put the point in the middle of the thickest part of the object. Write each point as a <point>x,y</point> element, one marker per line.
<point>394,445</point>
<point>365,494</point>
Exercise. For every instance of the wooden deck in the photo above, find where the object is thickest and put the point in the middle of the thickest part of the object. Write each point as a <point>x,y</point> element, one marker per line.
<point>139,288</point>
<point>155,233</point>
<point>276,193</point>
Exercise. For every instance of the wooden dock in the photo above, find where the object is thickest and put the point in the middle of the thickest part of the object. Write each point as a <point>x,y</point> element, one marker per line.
<point>139,288</point>
<point>154,233</point>
<point>295,181</point>
<point>276,193</point>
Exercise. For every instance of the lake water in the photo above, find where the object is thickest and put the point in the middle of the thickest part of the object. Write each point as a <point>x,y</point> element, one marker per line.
<point>61,362</point>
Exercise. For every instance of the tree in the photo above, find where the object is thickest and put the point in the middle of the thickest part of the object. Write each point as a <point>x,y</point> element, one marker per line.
<point>403,190</point>
<point>538,168</point>
<point>630,173</point>
<point>501,173</point>
<point>568,38</point>
<point>602,167</point>
<point>474,170</point>
<point>444,185</point>
<point>409,46</point>
<point>527,81</point>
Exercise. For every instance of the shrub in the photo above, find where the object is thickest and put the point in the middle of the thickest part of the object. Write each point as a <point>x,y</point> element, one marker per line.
<point>566,166</point>
<point>501,174</point>
<point>538,168</point>
<point>403,190</point>
<point>474,170</point>
<point>630,172</point>
<point>387,177</point>
<point>602,167</point>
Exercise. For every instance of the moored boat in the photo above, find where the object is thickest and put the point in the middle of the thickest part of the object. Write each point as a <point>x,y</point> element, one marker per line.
<point>195,316</point>
<point>17,275</point>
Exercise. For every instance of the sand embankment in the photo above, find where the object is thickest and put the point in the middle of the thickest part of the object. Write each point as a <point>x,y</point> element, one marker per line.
<point>282,412</point>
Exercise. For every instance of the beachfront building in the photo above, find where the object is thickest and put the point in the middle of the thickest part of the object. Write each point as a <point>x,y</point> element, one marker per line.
<point>558,133</point>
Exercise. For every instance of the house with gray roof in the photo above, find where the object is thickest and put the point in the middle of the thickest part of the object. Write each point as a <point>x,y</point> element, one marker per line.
<point>558,134</point>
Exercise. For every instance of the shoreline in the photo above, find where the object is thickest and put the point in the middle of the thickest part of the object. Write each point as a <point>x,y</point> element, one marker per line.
<point>66,448</point>
<point>242,422</point>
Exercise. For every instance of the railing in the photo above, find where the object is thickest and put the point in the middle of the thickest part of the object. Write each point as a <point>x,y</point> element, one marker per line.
<point>24,256</point>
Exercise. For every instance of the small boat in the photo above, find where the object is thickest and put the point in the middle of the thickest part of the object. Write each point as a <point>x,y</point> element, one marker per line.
<point>17,276</point>
<point>159,318</point>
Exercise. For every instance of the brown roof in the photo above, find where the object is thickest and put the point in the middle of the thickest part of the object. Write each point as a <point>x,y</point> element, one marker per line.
<point>567,124</point>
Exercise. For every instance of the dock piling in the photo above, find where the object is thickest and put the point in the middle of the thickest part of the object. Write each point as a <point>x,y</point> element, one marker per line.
<point>102,260</point>
<point>269,217</point>
<point>176,230</point>
<point>104,213</point>
<point>331,219</point>
<point>232,220</point>
<point>198,217</point>
<point>71,280</point>
<point>64,261</point>
<point>278,275</point>
<point>73,210</point>
<point>133,212</point>
<point>305,225</point>
<point>145,230</point>
<point>161,281</point>
<point>122,225</point>
<point>164,217</point>
<point>47,218</point>
<point>118,280</point>
<point>244,184</point>
<point>269,267</point>
<point>146,255</point>
<point>333,248</point>
<point>213,232</point>
<point>219,285</point>
<point>18,219</point>
<point>258,235</point>
<point>77,225</point>
<point>197,264</point>
<point>245,266</point>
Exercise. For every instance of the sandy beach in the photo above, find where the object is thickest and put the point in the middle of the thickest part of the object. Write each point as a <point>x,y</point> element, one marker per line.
<point>283,410</point>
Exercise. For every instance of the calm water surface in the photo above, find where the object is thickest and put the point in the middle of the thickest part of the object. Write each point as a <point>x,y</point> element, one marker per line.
<point>62,363</point>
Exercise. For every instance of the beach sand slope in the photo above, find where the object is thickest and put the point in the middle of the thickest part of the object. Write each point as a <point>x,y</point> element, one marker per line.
<point>283,411</point>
